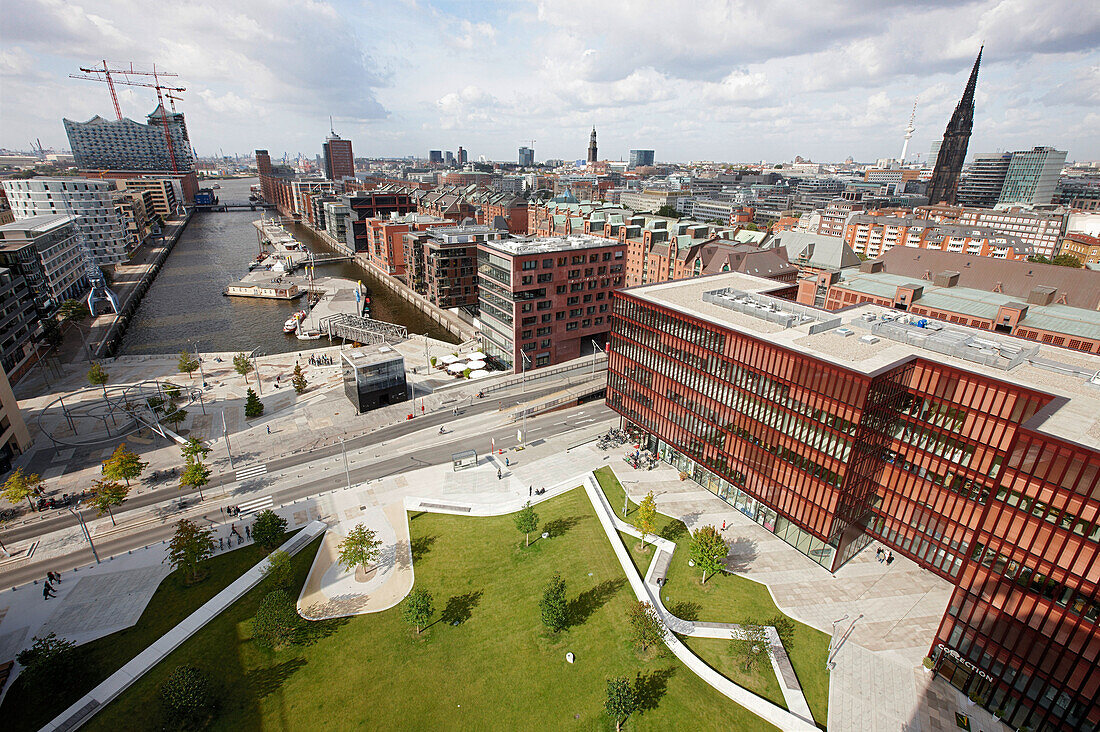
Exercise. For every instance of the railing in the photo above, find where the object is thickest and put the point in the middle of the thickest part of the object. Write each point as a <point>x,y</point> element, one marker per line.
<point>362,330</point>
<point>584,363</point>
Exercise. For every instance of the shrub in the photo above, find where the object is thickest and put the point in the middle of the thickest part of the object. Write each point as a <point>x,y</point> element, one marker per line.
<point>276,622</point>
<point>187,695</point>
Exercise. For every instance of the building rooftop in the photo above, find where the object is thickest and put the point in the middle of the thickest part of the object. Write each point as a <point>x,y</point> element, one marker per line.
<point>869,339</point>
<point>540,245</point>
<point>369,355</point>
<point>38,223</point>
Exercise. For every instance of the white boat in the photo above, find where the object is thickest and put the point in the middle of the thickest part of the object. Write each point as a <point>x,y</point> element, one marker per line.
<point>309,335</point>
<point>290,325</point>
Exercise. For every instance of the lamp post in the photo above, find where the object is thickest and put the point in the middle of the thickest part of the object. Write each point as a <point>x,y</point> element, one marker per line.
<point>84,528</point>
<point>523,372</point>
<point>256,368</point>
<point>347,473</point>
<point>597,350</point>
<point>523,440</point>
<point>199,359</point>
<point>225,433</point>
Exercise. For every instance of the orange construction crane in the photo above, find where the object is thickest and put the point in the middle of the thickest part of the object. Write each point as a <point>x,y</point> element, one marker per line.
<point>104,74</point>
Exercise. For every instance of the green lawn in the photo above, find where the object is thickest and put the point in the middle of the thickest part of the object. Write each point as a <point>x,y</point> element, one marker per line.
<point>725,598</point>
<point>487,664</point>
<point>171,603</point>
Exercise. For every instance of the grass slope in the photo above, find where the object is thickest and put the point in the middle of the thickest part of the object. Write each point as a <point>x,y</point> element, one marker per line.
<point>486,664</point>
<point>171,603</point>
<point>726,598</point>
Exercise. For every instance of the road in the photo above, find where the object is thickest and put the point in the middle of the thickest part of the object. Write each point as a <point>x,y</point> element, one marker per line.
<point>436,451</point>
<point>60,518</point>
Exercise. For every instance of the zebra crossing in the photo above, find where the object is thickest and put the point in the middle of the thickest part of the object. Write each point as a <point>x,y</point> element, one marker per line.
<point>253,471</point>
<point>254,506</point>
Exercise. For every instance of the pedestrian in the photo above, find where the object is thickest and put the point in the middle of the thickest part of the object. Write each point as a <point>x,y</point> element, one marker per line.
<point>45,592</point>
<point>507,462</point>
<point>498,474</point>
<point>54,577</point>
<point>248,531</point>
<point>221,543</point>
<point>530,490</point>
<point>269,426</point>
<point>889,558</point>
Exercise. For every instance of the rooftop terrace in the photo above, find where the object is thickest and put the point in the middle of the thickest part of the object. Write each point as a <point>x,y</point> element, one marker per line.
<point>541,245</point>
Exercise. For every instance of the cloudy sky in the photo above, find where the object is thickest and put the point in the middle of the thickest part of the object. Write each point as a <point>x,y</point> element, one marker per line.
<point>699,80</point>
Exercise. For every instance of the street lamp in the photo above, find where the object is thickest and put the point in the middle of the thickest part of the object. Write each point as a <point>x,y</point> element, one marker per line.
<point>347,473</point>
<point>84,528</point>
<point>225,433</point>
<point>256,368</point>
<point>597,350</point>
<point>523,369</point>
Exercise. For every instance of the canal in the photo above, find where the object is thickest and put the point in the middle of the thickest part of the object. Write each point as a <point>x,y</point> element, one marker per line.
<point>185,307</point>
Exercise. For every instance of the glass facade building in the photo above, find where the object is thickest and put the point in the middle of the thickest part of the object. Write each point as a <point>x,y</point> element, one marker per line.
<point>946,465</point>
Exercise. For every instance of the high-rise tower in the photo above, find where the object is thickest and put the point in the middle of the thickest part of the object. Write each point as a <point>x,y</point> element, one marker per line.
<point>952,154</point>
<point>909,130</point>
<point>592,147</point>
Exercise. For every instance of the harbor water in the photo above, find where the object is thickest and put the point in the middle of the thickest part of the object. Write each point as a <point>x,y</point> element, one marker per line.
<point>184,307</point>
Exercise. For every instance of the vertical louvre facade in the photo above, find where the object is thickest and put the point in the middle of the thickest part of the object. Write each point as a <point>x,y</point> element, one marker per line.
<point>941,464</point>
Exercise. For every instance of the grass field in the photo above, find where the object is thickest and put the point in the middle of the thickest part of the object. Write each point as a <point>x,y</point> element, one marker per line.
<point>172,602</point>
<point>726,598</point>
<point>486,663</point>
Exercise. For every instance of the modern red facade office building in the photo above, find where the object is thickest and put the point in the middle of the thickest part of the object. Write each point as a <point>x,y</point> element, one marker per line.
<point>977,456</point>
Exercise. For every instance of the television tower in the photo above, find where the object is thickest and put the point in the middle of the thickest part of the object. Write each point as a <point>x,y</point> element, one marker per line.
<point>908,132</point>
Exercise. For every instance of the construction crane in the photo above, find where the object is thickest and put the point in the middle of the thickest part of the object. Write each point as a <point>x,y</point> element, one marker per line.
<point>104,74</point>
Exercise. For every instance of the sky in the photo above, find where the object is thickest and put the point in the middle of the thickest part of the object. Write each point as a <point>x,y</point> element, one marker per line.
<point>701,80</point>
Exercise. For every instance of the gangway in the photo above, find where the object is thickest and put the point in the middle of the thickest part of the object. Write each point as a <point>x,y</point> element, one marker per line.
<point>362,330</point>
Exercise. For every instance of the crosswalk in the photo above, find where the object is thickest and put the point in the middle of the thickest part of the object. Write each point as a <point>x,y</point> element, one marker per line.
<point>253,471</point>
<point>254,506</point>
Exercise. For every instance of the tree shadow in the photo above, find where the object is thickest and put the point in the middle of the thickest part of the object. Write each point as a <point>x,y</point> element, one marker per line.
<point>651,686</point>
<point>312,631</point>
<point>266,681</point>
<point>580,609</point>
<point>417,515</point>
<point>460,608</point>
<point>690,519</point>
<point>559,526</point>
<point>685,610</point>
<point>420,546</point>
<point>742,553</point>
<point>673,531</point>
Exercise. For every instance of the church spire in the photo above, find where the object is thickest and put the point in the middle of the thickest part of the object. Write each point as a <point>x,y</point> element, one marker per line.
<point>592,147</point>
<point>949,162</point>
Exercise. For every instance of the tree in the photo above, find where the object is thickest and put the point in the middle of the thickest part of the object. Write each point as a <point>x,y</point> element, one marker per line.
<point>298,381</point>
<point>708,549</point>
<point>418,608</point>
<point>645,518</point>
<point>73,310</point>
<point>527,521</point>
<point>51,332</point>
<point>276,622</point>
<point>784,628</point>
<point>20,485</point>
<point>242,365</point>
<point>1066,260</point>
<point>49,660</point>
<point>175,416</point>
<point>188,363</point>
<point>191,545</point>
<point>620,702</point>
<point>359,548</point>
<point>123,464</point>
<point>553,605</point>
<point>668,211</point>
<point>187,695</point>
<point>750,645</point>
<point>195,475</point>
<point>194,450</point>
<point>107,493</point>
<point>646,628</point>
<point>253,407</point>
<point>268,529</point>
<point>97,376</point>
<point>278,569</point>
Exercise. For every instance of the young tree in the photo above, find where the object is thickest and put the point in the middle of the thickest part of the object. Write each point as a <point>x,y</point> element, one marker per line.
<point>187,695</point>
<point>620,702</point>
<point>645,518</point>
<point>298,381</point>
<point>195,475</point>
<point>253,407</point>
<point>51,332</point>
<point>645,627</point>
<point>188,363</point>
<point>268,529</point>
<point>359,548</point>
<point>784,628</point>
<point>107,493</point>
<point>708,549</point>
<point>553,605</point>
<point>527,521</point>
<point>750,645</point>
<point>191,545</point>
<point>1066,260</point>
<point>242,365</point>
<point>194,450</point>
<point>276,622</point>
<point>97,376</point>
<point>123,464</point>
<point>73,310</point>
<point>20,485</point>
<point>48,660</point>
<point>278,569</point>
<point>418,608</point>
<point>175,416</point>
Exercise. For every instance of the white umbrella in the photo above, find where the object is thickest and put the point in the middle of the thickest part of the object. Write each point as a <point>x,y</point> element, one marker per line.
<point>449,358</point>
<point>478,364</point>
<point>457,368</point>
<point>476,356</point>
<point>478,374</point>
